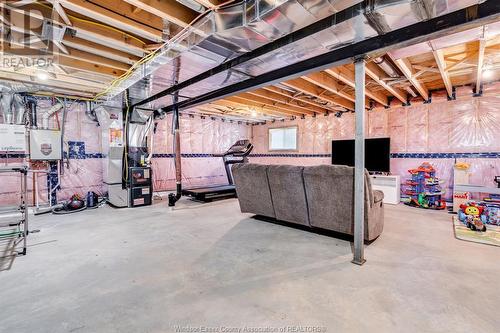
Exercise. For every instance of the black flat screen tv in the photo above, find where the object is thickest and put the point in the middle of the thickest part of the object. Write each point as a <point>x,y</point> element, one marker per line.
<point>377,153</point>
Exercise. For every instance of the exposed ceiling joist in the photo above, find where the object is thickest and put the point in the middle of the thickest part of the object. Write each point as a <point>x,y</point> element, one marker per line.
<point>60,82</point>
<point>325,81</point>
<point>233,109</point>
<point>88,67</point>
<point>75,59</point>
<point>113,19</point>
<point>20,3</point>
<point>212,111</point>
<point>441,63</point>
<point>299,97</point>
<point>406,68</point>
<point>276,97</point>
<point>378,75</point>
<point>71,54</point>
<point>125,9</point>
<point>56,4</point>
<point>313,90</point>
<point>100,50</point>
<point>277,101</point>
<point>346,76</point>
<point>267,103</point>
<point>79,44</point>
<point>84,29</point>
<point>171,10</point>
<point>238,102</point>
<point>210,3</point>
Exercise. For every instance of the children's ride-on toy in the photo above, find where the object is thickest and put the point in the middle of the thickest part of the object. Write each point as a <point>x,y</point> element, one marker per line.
<point>472,215</point>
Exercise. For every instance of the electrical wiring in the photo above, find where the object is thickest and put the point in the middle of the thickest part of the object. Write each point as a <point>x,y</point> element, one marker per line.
<point>155,53</point>
<point>150,56</point>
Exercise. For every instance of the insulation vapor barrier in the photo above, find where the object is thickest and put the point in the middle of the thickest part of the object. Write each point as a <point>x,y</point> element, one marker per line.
<point>83,173</point>
<point>202,143</point>
<point>442,133</point>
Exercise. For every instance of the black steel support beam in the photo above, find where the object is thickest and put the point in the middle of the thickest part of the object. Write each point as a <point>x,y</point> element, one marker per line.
<point>459,20</point>
<point>295,36</point>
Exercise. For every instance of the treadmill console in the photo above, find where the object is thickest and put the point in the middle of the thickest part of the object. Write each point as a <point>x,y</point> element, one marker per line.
<point>240,148</point>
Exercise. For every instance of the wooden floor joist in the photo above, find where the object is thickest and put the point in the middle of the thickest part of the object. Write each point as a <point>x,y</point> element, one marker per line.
<point>313,90</point>
<point>278,98</point>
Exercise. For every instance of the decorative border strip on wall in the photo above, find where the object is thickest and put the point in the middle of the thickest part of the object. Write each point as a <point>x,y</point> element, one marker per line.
<point>398,155</point>
<point>186,155</point>
<point>393,155</point>
<point>290,155</point>
<point>446,155</point>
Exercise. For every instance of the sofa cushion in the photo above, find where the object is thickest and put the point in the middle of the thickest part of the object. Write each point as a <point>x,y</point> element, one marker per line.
<point>288,193</point>
<point>252,188</point>
<point>329,191</point>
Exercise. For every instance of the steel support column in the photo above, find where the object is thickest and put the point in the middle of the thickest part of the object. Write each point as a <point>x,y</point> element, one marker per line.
<point>359,163</point>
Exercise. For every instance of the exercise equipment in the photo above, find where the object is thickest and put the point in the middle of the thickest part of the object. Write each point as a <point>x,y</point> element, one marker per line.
<point>237,153</point>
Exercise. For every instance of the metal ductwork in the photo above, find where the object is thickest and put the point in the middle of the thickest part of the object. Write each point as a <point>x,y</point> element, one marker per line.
<point>19,108</point>
<point>13,108</point>
<point>391,70</point>
<point>7,111</point>
<point>231,31</point>
<point>387,67</point>
<point>12,103</point>
<point>140,118</point>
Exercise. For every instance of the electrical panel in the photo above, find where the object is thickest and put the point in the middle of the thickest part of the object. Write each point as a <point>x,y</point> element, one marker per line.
<point>45,145</point>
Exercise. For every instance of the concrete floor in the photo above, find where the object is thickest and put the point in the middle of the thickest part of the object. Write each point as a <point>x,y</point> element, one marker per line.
<point>208,265</point>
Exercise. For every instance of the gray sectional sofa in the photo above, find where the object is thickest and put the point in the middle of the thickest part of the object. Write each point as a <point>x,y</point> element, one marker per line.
<point>317,196</point>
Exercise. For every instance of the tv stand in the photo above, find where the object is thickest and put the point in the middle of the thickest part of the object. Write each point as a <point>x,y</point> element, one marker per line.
<point>390,185</point>
<point>378,173</point>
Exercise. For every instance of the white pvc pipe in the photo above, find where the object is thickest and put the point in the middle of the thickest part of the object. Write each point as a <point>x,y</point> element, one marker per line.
<point>48,113</point>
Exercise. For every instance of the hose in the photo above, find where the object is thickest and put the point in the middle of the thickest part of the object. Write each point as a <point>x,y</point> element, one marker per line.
<point>62,211</point>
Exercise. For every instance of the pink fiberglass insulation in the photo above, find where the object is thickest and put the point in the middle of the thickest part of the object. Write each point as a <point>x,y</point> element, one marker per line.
<point>81,175</point>
<point>203,140</point>
<point>454,129</point>
<point>466,125</point>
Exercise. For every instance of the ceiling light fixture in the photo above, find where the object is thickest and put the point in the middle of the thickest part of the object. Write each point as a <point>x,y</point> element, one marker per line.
<point>487,73</point>
<point>42,75</point>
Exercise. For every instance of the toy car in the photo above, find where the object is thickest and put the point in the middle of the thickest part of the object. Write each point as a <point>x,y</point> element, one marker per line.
<point>471,214</point>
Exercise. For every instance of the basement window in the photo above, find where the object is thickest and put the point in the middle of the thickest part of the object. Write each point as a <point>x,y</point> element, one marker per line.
<point>283,138</point>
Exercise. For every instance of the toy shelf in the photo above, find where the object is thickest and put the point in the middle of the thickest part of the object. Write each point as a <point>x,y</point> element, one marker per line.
<point>423,188</point>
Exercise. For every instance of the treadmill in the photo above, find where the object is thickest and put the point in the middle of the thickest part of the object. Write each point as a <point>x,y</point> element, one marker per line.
<point>237,153</point>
